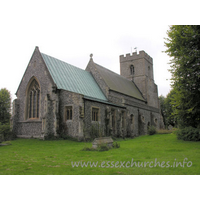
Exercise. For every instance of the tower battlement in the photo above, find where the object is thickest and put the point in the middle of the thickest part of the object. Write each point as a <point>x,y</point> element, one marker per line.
<point>134,56</point>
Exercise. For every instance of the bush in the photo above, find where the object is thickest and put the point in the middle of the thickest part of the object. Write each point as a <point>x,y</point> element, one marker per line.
<point>116,145</point>
<point>103,147</point>
<point>188,134</point>
<point>151,130</point>
<point>5,132</point>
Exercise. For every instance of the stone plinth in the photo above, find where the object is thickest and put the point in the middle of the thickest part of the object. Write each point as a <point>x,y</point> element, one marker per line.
<point>103,140</point>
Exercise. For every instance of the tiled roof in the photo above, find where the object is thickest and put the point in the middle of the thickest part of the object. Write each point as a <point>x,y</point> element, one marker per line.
<point>118,83</point>
<point>71,78</point>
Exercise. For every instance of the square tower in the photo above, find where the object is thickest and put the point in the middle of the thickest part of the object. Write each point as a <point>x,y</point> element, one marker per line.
<point>139,69</point>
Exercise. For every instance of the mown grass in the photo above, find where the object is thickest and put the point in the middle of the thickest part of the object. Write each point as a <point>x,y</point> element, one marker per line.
<point>32,156</point>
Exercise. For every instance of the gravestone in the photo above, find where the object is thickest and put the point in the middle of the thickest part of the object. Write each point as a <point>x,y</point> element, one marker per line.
<point>102,140</point>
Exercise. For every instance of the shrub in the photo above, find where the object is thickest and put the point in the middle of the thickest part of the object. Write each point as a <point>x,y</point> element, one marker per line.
<point>188,134</point>
<point>103,147</point>
<point>151,130</point>
<point>116,145</point>
<point>5,132</point>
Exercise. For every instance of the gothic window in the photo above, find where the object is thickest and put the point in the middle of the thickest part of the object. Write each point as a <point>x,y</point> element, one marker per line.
<point>33,100</point>
<point>68,113</point>
<point>95,114</point>
<point>132,70</point>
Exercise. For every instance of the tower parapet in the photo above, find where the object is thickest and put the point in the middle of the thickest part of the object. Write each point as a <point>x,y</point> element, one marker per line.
<point>135,56</point>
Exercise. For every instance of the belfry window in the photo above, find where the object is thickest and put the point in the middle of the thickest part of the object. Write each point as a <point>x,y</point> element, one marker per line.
<point>33,100</point>
<point>132,70</point>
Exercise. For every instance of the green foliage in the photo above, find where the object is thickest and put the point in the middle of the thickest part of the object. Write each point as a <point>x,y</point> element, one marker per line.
<point>183,46</point>
<point>5,106</point>
<point>5,132</point>
<point>116,145</point>
<point>162,100</point>
<point>167,109</point>
<point>151,130</point>
<point>103,147</point>
<point>188,134</point>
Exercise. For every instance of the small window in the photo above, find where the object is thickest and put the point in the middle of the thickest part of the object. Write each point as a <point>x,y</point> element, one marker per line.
<point>95,114</point>
<point>132,70</point>
<point>68,113</point>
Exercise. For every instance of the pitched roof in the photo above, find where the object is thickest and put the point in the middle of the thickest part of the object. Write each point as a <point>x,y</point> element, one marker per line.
<point>71,78</point>
<point>118,83</point>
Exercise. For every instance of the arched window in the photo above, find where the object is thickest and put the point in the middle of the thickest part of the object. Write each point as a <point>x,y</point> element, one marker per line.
<point>33,103</point>
<point>132,70</point>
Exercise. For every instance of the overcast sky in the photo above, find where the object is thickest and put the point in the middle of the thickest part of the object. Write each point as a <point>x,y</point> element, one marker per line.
<point>72,30</point>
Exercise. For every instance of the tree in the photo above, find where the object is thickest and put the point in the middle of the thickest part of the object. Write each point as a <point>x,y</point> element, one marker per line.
<point>167,109</point>
<point>5,106</point>
<point>183,46</point>
<point>162,107</point>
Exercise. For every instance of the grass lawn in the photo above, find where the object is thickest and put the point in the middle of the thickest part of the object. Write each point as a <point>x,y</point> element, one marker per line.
<point>32,156</point>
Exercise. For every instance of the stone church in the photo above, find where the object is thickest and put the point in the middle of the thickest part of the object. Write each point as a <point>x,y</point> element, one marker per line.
<point>55,98</point>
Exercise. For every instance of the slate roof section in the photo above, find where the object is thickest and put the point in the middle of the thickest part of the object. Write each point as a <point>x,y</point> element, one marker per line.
<point>73,79</point>
<point>118,83</point>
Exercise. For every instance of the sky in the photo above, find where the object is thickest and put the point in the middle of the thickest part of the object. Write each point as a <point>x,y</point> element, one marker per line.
<point>72,30</point>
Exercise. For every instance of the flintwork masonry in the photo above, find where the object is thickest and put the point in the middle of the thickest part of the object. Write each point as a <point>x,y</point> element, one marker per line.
<point>55,98</point>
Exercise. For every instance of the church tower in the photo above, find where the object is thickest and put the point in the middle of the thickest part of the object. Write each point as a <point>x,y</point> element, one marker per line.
<point>139,69</point>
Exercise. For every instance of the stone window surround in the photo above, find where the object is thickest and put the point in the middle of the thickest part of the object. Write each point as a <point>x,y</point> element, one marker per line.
<point>94,107</point>
<point>68,105</point>
<point>27,104</point>
<point>132,70</point>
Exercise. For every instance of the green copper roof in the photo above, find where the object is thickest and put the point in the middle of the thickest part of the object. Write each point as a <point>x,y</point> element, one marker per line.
<point>118,83</point>
<point>71,78</point>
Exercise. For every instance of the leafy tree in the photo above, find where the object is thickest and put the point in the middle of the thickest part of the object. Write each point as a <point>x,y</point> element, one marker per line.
<point>183,46</point>
<point>5,106</point>
<point>171,118</point>
<point>162,107</point>
<point>167,109</point>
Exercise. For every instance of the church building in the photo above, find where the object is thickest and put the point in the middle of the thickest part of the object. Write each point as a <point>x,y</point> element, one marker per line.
<point>55,98</point>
